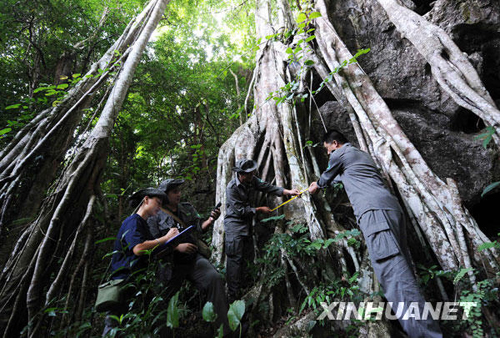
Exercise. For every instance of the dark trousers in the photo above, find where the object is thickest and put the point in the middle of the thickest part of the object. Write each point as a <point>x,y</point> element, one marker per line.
<point>206,279</point>
<point>239,251</point>
<point>385,236</point>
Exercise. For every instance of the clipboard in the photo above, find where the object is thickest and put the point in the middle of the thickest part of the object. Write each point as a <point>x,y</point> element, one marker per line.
<point>177,238</point>
<point>168,247</point>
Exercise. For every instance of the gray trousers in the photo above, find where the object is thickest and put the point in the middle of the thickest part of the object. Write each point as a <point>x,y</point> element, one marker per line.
<point>239,251</point>
<point>204,276</point>
<point>206,279</point>
<point>385,235</point>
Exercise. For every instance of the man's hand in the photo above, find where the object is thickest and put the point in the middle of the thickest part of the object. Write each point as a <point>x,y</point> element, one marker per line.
<point>214,214</point>
<point>187,248</point>
<point>265,210</point>
<point>313,188</point>
<point>293,192</point>
<point>169,235</point>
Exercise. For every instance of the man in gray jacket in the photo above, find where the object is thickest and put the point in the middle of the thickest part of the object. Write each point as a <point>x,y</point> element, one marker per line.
<point>238,220</point>
<point>188,261</point>
<point>383,225</point>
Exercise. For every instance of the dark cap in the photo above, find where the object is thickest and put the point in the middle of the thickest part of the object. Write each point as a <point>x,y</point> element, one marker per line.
<point>169,184</point>
<point>138,196</point>
<point>245,166</point>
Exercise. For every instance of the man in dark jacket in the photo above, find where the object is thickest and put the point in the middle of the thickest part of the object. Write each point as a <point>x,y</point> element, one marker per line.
<point>188,262</point>
<point>238,220</point>
<point>382,222</point>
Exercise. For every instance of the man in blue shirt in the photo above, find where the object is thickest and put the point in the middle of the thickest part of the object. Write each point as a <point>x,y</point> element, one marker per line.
<point>134,239</point>
<point>382,222</point>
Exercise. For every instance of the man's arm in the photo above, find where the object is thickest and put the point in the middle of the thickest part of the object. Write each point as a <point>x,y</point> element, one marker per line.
<point>214,215</point>
<point>263,186</point>
<point>334,168</point>
<point>238,207</point>
<point>140,248</point>
<point>272,189</point>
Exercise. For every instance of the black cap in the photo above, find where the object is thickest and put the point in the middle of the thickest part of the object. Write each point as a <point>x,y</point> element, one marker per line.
<point>169,184</point>
<point>138,196</point>
<point>245,166</point>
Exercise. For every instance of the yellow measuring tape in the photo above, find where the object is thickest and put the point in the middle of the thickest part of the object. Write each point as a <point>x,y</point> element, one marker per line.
<point>291,199</point>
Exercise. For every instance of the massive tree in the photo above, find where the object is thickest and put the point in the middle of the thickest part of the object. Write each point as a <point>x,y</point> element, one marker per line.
<point>33,275</point>
<point>276,134</point>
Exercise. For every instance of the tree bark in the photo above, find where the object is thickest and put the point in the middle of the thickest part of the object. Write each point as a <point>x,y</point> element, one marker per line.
<point>274,134</point>
<point>450,66</point>
<point>32,263</point>
<point>434,204</point>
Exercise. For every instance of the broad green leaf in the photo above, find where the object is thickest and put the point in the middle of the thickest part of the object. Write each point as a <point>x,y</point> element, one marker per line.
<point>173,312</point>
<point>14,106</point>
<point>235,313</point>
<point>309,62</point>
<point>208,312</point>
<point>312,37</point>
<point>289,50</point>
<point>302,17</point>
<point>314,15</point>
<point>5,131</point>
<point>63,86</point>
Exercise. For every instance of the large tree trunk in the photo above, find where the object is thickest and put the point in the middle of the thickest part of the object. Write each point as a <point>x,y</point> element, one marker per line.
<point>30,162</point>
<point>274,136</point>
<point>67,210</point>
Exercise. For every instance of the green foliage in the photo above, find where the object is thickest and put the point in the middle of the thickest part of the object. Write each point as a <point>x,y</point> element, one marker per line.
<point>173,312</point>
<point>460,275</point>
<point>487,136</point>
<point>485,294</point>
<point>338,290</point>
<point>490,245</point>
<point>428,274</point>
<point>273,218</point>
<point>36,42</point>
<point>208,312</point>
<point>235,314</point>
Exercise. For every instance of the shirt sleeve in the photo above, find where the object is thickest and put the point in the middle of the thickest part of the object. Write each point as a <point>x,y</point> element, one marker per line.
<point>238,207</point>
<point>132,236</point>
<point>267,187</point>
<point>334,168</point>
